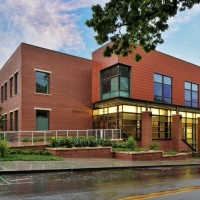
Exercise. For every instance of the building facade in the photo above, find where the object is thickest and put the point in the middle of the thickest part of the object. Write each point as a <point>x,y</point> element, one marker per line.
<point>156,99</point>
<point>45,90</point>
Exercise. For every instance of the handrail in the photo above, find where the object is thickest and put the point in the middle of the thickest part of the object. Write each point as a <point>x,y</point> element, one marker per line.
<point>20,138</point>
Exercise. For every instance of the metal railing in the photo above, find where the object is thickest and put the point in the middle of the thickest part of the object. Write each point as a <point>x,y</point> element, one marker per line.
<point>24,138</point>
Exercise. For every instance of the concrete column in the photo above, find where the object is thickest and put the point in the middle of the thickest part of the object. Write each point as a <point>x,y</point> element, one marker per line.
<point>176,133</point>
<point>198,136</point>
<point>146,139</point>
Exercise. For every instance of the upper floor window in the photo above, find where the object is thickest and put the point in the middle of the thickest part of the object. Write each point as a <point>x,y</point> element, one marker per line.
<point>191,94</point>
<point>2,96</point>
<point>11,87</point>
<point>5,91</point>
<point>42,82</point>
<point>162,88</point>
<point>115,82</point>
<point>16,83</point>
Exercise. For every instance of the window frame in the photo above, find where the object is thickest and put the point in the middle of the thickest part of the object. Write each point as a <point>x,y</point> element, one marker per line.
<point>163,84</point>
<point>48,87</point>
<point>191,94</point>
<point>109,74</point>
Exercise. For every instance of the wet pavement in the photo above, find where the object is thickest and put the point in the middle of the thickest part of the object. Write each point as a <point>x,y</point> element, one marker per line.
<point>77,164</point>
<point>99,185</point>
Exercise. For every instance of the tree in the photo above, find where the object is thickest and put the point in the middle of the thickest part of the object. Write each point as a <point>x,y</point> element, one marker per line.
<point>128,23</point>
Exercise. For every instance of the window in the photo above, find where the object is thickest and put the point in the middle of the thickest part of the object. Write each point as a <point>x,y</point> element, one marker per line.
<point>5,123</point>
<point>11,121</point>
<point>16,83</point>
<point>5,91</point>
<point>11,87</point>
<point>42,82</point>
<point>191,94</point>
<point>162,88</point>
<point>42,120</point>
<point>16,120</point>
<point>2,98</point>
<point>115,82</point>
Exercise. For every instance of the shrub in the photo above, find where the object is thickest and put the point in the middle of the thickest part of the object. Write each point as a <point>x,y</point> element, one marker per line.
<point>130,143</point>
<point>3,148</point>
<point>80,141</point>
<point>91,141</point>
<point>154,146</point>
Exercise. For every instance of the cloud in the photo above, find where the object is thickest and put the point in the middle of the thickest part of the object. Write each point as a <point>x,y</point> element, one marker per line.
<point>51,24</point>
<point>181,18</point>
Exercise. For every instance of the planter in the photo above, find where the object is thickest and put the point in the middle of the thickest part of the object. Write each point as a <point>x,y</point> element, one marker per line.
<point>150,156</point>
<point>87,152</point>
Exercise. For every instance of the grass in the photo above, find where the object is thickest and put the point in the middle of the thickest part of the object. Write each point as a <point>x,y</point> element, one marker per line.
<point>21,157</point>
<point>129,149</point>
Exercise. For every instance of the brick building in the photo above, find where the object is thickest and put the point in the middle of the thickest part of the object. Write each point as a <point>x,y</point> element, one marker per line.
<point>43,89</point>
<point>156,99</point>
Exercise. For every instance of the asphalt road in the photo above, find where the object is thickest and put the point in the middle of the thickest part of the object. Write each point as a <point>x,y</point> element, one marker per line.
<point>177,183</point>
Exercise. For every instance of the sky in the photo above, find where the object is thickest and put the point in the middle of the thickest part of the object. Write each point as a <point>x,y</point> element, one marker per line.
<point>60,25</point>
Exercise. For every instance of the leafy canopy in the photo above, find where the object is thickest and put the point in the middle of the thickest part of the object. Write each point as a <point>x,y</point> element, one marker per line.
<point>128,23</point>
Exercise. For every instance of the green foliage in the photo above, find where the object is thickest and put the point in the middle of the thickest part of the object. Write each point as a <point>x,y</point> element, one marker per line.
<point>3,148</point>
<point>91,141</point>
<point>129,23</point>
<point>171,153</point>
<point>130,143</point>
<point>154,146</point>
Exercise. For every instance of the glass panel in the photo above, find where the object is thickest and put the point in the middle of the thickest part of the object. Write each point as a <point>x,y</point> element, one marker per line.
<point>195,105</point>
<point>106,74</point>
<point>187,85</point>
<point>194,96</point>
<point>114,94</point>
<point>42,82</point>
<point>124,94</point>
<point>167,80</point>
<point>106,96</point>
<point>155,111</point>
<point>114,84</point>
<point>114,71</point>
<point>124,71</point>
<point>167,91</point>
<point>112,109</point>
<point>157,89</point>
<point>167,100</point>
<point>156,98</point>
<point>157,78</point>
<point>187,95</point>
<point>42,120</point>
<point>124,83</point>
<point>127,108</point>
<point>194,87</point>
<point>106,86</point>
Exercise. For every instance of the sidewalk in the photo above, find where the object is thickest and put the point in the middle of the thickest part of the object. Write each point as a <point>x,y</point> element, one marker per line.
<point>77,164</point>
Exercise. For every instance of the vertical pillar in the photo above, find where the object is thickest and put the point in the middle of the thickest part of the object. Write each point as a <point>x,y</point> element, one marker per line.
<point>198,136</point>
<point>146,139</point>
<point>176,133</point>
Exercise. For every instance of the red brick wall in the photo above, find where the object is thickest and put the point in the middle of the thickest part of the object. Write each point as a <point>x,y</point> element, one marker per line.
<point>9,69</point>
<point>142,80</point>
<point>70,89</point>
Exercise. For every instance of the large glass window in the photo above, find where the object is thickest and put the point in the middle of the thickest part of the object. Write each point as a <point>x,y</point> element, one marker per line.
<point>42,82</point>
<point>191,94</point>
<point>115,82</point>
<point>162,88</point>
<point>42,120</point>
